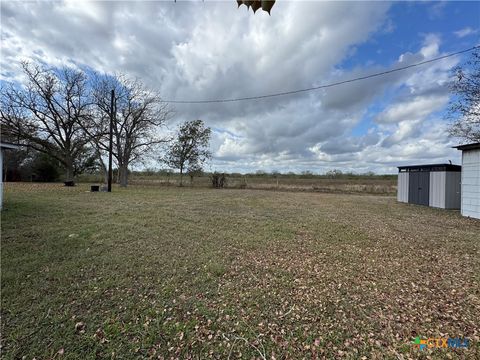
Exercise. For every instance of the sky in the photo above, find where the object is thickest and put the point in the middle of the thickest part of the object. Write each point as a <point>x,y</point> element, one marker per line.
<point>202,50</point>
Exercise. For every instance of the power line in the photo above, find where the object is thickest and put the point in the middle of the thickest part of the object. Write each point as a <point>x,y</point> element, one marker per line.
<point>322,86</point>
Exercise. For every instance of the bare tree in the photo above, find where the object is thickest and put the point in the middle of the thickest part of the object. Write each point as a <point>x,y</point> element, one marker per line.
<point>45,113</point>
<point>189,150</point>
<point>139,115</point>
<point>465,105</point>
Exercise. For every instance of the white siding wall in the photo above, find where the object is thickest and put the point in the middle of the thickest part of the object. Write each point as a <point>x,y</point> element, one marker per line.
<point>437,189</point>
<point>1,179</point>
<point>402,187</point>
<point>471,183</point>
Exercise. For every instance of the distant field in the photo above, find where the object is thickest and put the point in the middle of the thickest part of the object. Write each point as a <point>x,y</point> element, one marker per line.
<point>384,185</point>
<point>168,272</point>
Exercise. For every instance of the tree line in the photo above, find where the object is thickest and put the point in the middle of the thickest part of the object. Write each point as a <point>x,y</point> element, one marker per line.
<point>65,114</point>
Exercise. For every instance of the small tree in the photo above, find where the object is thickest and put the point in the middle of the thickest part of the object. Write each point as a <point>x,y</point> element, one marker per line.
<point>219,180</point>
<point>189,149</point>
<point>334,173</point>
<point>465,106</point>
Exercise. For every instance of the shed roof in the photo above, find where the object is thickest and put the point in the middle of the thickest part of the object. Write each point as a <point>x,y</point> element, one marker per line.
<point>430,167</point>
<point>473,146</point>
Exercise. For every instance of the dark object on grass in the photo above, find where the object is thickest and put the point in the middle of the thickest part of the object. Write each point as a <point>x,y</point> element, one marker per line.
<point>94,188</point>
<point>69,183</point>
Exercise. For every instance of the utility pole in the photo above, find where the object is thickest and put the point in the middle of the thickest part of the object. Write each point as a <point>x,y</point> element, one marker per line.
<point>110,145</point>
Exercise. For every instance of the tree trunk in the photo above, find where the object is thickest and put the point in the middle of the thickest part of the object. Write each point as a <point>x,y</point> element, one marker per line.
<point>105,174</point>
<point>181,175</point>
<point>123,175</point>
<point>68,170</point>
<point>103,165</point>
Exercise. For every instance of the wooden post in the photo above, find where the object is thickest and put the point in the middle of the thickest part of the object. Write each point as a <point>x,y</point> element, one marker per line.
<point>110,145</point>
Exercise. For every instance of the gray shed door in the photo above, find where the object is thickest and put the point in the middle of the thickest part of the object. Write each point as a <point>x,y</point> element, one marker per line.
<point>419,187</point>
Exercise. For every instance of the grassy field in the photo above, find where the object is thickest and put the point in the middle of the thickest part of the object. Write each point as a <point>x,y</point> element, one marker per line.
<point>350,186</point>
<point>345,183</point>
<point>173,272</point>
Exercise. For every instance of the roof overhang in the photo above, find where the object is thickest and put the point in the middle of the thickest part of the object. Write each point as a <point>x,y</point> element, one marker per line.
<point>9,146</point>
<point>430,167</point>
<point>473,146</point>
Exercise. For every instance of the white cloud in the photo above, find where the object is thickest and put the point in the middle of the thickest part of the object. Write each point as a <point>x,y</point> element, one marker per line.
<point>437,10</point>
<point>414,109</point>
<point>204,50</point>
<point>465,32</point>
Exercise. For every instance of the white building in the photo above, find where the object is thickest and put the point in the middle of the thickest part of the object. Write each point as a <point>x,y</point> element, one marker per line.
<point>3,146</point>
<point>470,198</point>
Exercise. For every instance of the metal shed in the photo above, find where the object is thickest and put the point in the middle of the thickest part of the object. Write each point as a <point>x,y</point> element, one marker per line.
<point>470,202</point>
<point>435,185</point>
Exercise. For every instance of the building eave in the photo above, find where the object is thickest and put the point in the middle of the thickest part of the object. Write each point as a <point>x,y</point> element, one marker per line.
<point>9,146</point>
<point>430,167</point>
<point>473,146</point>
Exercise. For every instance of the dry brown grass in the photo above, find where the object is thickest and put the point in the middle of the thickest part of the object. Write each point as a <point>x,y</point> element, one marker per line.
<point>359,185</point>
<point>188,273</point>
